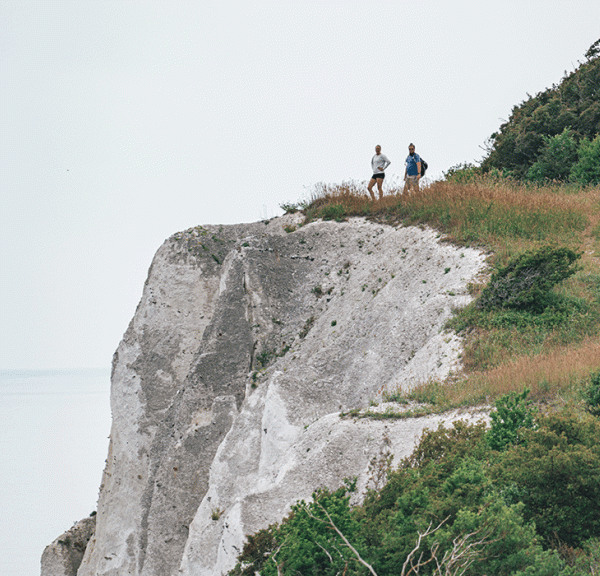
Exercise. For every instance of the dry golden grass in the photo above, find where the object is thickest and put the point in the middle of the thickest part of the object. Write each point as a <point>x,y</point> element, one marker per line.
<point>499,214</point>
<point>353,196</point>
<point>546,375</point>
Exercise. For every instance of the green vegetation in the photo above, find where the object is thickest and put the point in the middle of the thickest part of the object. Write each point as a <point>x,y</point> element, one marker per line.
<point>455,506</point>
<point>513,415</point>
<point>591,394</point>
<point>525,283</point>
<point>554,135</point>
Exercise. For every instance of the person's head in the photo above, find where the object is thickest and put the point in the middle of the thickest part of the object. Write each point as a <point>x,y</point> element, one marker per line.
<point>411,149</point>
<point>378,149</point>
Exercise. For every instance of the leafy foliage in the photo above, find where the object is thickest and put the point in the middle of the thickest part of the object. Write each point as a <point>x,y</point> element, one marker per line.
<point>555,473</point>
<point>525,282</point>
<point>526,144</point>
<point>556,157</point>
<point>455,506</point>
<point>591,394</point>
<point>587,168</point>
<point>513,414</point>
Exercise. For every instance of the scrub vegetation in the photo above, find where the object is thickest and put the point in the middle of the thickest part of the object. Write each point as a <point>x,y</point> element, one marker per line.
<point>519,498</point>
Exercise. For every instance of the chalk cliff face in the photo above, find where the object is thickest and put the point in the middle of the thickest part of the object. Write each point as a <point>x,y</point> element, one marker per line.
<point>227,388</point>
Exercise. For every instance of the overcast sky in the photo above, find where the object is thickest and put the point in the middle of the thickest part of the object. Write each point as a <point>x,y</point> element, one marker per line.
<point>124,121</point>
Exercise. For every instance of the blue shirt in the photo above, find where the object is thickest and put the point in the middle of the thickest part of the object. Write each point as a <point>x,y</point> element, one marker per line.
<point>411,165</point>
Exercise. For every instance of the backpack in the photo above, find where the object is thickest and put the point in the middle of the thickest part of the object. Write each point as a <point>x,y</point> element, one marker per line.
<point>424,167</point>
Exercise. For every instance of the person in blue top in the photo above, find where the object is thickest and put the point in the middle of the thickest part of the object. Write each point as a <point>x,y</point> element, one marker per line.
<point>412,174</point>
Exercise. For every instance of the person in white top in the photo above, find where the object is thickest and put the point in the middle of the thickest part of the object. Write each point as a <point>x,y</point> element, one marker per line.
<point>379,163</point>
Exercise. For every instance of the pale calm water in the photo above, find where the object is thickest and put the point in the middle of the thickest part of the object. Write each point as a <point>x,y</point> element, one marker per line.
<point>54,427</point>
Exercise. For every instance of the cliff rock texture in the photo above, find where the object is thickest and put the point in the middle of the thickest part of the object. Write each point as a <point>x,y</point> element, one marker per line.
<point>227,388</point>
<point>63,557</point>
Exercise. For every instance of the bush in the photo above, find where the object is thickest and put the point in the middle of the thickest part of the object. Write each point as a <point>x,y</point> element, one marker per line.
<point>513,414</point>
<point>555,159</point>
<point>591,394</point>
<point>462,173</point>
<point>333,212</point>
<point>587,169</point>
<point>525,282</point>
<point>555,472</point>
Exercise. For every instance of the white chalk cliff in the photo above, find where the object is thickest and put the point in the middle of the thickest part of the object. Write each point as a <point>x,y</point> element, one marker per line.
<point>248,343</point>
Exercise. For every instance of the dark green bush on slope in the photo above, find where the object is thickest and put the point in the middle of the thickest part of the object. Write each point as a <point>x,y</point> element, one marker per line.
<point>526,281</point>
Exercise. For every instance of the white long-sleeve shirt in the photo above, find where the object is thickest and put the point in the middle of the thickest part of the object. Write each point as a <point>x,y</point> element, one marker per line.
<point>379,163</point>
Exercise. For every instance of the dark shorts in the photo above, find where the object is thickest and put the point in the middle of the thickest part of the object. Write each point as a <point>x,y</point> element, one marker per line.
<point>379,176</point>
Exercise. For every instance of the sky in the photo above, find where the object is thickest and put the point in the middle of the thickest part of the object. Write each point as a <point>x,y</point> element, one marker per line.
<point>125,121</point>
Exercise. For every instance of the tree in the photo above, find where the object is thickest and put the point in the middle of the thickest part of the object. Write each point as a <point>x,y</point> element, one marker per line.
<point>526,138</point>
<point>555,473</point>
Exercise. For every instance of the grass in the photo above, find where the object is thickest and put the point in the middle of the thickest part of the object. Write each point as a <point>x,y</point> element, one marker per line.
<point>505,350</point>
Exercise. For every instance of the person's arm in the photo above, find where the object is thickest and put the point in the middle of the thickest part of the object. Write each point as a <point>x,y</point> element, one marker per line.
<point>419,169</point>
<point>386,162</point>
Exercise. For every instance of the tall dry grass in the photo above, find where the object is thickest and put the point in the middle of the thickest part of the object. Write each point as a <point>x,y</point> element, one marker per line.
<point>549,376</point>
<point>501,214</point>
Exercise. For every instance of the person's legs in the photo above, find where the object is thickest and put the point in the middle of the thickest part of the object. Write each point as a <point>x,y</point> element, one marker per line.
<point>411,184</point>
<point>370,188</point>
<point>380,187</point>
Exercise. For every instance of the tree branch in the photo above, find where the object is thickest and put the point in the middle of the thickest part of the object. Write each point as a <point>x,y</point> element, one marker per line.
<point>339,532</point>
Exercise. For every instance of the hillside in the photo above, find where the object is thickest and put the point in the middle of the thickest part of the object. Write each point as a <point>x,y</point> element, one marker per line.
<point>554,135</point>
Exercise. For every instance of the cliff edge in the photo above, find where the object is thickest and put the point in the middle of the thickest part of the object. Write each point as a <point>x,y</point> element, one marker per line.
<point>227,388</point>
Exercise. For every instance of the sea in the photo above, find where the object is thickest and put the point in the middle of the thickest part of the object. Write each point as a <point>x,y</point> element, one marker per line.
<point>54,428</point>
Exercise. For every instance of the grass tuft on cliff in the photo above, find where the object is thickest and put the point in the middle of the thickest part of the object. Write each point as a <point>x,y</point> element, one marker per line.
<point>551,346</point>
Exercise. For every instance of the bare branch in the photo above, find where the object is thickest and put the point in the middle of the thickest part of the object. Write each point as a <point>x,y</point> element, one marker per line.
<point>279,570</point>
<point>338,531</point>
<point>409,559</point>
<point>325,550</point>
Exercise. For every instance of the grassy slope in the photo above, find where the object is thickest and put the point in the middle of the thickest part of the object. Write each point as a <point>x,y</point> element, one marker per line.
<point>551,353</point>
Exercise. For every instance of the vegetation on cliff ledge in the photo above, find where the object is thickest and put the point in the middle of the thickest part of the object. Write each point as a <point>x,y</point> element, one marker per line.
<point>522,498</point>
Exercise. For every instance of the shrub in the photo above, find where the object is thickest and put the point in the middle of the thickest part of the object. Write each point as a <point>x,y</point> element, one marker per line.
<point>333,212</point>
<point>556,158</point>
<point>513,414</point>
<point>525,282</point>
<point>591,394</point>
<point>462,173</point>
<point>587,168</point>
<point>555,472</point>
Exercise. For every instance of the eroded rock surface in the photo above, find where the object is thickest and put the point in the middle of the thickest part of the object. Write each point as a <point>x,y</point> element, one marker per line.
<point>227,387</point>
<point>63,557</point>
